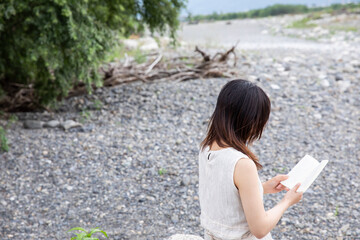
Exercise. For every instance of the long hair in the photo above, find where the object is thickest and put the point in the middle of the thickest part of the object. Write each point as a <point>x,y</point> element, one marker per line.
<point>241,113</point>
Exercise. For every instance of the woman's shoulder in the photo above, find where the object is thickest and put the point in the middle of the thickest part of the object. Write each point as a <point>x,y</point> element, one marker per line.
<point>245,164</point>
<point>238,153</point>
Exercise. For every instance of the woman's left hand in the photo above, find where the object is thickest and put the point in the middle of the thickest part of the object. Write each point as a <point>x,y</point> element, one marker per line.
<point>274,186</point>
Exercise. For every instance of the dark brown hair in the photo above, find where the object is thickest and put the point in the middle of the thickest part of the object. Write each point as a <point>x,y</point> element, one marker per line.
<point>241,113</point>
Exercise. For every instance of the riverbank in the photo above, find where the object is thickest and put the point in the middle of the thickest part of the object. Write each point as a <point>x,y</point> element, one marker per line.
<point>131,167</point>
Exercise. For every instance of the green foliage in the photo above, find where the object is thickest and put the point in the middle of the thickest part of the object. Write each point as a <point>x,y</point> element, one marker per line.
<point>161,171</point>
<point>343,28</point>
<point>12,119</point>
<point>336,213</point>
<point>139,56</point>
<point>280,170</point>
<point>84,235</point>
<point>98,104</point>
<point>274,10</point>
<point>54,44</point>
<point>85,116</point>
<point>120,52</point>
<point>277,9</point>
<point>302,23</point>
<point>3,140</point>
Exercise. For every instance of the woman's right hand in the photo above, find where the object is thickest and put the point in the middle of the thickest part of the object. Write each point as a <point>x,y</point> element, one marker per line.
<point>292,197</point>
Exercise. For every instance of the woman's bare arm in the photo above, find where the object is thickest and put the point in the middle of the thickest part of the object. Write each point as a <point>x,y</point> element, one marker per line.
<point>260,222</point>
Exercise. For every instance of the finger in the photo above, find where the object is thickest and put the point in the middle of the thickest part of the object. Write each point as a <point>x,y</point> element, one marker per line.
<point>280,187</point>
<point>282,177</point>
<point>296,187</point>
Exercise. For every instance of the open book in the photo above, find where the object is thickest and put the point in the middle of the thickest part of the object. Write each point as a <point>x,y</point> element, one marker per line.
<point>304,172</point>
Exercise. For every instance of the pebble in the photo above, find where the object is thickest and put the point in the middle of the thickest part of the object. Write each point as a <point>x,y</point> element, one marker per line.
<point>317,116</point>
<point>274,86</point>
<point>343,85</point>
<point>338,77</point>
<point>344,228</point>
<point>175,218</point>
<point>325,83</point>
<point>186,180</point>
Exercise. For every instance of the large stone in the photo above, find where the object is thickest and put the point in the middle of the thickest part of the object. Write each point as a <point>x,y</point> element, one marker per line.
<point>70,124</point>
<point>131,43</point>
<point>148,44</point>
<point>52,124</point>
<point>185,237</point>
<point>33,124</point>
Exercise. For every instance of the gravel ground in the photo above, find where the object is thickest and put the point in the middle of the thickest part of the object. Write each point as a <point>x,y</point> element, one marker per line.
<point>132,168</point>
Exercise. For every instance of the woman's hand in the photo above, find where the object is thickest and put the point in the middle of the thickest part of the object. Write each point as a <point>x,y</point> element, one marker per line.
<point>274,185</point>
<point>292,197</point>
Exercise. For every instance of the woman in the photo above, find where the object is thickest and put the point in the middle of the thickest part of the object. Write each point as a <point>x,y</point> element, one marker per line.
<point>230,190</point>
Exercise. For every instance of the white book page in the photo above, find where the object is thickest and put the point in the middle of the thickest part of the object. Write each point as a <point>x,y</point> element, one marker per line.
<point>301,171</point>
<point>311,178</point>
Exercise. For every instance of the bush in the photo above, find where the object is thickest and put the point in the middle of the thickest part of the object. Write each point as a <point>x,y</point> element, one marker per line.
<point>84,235</point>
<point>274,10</point>
<point>50,45</point>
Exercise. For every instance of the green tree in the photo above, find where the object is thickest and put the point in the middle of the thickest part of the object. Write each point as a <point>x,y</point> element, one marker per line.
<point>54,44</point>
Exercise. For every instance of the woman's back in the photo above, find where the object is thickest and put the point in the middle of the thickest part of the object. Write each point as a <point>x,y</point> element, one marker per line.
<point>221,211</point>
<point>230,191</point>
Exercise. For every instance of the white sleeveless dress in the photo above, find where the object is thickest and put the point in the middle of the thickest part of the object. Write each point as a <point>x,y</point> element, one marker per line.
<point>222,215</point>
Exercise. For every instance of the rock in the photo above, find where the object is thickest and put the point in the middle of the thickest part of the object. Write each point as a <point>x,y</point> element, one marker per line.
<point>348,68</point>
<point>70,124</point>
<point>185,237</point>
<point>164,41</point>
<point>175,218</point>
<point>274,86</point>
<point>325,83</point>
<point>343,85</point>
<point>52,124</point>
<point>148,44</point>
<point>186,180</point>
<point>338,77</point>
<point>33,124</point>
<point>344,228</point>
<point>322,76</point>
<point>131,43</point>
<point>355,63</point>
<point>317,116</point>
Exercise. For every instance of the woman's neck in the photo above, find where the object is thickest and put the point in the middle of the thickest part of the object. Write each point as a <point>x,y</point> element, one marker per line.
<point>215,146</point>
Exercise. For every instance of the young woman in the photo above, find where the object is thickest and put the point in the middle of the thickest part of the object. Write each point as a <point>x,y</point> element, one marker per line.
<point>230,190</point>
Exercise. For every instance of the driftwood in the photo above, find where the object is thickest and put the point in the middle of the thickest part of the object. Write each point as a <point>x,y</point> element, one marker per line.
<point>171,69</point>
<point>19,97</point>
<point>158,68</point>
